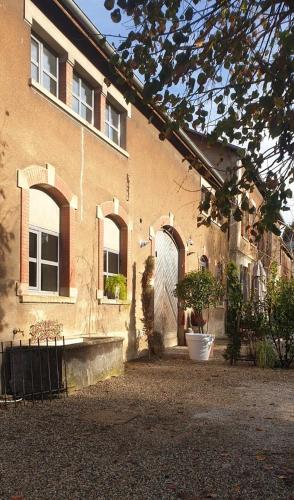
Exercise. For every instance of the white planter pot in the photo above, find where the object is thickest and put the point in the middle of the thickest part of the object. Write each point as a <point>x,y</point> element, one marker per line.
<point>199,345</point>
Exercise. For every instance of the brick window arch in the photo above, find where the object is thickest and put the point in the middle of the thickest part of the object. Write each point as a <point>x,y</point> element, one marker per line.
<point>45,179</point>
<point>116,213</point>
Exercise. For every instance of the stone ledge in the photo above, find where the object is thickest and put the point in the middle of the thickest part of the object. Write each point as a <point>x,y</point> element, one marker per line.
<point>113,302</point>
<point>46,299</point>
<point>93,360</point>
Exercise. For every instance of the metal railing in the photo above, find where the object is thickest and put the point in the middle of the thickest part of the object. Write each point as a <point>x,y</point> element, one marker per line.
<point>32,371</point>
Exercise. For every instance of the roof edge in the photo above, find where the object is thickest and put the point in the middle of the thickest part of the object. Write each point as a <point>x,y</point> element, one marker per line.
<point>109,50</point>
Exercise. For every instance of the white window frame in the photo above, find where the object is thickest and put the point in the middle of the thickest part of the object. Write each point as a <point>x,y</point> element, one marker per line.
<point>245,283</point>
<point>39,65</point>
<point>205,185</point>
<point>109,122</point>
<point>204,188</point>
<point>39,261</point>
<point>246,235</point>
<point>81,101</point>
<point>109,250</point>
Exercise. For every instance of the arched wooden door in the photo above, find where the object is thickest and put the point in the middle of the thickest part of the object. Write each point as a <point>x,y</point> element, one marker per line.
<point>166,278</point>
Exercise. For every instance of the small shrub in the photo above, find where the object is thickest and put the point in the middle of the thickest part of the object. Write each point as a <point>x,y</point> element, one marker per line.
<point>157,344</point>
<point>280,310</point>
<point>266,356</point>
<point>114,283</point>
<point>234,312</point>
<point>154,339</point>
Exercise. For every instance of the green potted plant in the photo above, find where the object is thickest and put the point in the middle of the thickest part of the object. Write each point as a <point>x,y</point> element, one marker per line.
<point>116,287</point>
<point>197,291</point>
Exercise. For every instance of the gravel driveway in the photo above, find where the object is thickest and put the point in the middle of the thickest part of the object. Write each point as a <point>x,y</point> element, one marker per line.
<point>168,429</point>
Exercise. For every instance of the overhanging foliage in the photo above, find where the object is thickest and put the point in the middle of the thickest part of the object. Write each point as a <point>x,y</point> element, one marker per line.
<point>223,67</point>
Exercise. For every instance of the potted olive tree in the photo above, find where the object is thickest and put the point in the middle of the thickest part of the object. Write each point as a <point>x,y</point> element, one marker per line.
<point>197,291</point>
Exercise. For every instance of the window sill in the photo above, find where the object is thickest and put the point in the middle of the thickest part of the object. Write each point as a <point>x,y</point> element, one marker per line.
<point>46,299</point>
<point>113,302</point>
<point>69,111</point>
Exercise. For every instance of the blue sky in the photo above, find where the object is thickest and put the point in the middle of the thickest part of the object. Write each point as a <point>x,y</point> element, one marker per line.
<point>99,16</point>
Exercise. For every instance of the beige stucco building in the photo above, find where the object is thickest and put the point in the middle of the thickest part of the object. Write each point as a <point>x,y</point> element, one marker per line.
<point>73,148</point>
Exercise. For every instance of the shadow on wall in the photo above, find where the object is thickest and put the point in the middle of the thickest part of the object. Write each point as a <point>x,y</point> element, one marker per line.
<point>5,236</point>
<point>90,313</point>
<point>87,305</point>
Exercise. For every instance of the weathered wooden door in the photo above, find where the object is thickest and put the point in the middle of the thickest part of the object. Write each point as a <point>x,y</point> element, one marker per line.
<point>166,278</point>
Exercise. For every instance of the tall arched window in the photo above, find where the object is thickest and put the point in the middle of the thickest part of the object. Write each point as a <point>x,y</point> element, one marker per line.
<point>113,247</point>
<point>44,230</point>
<point>47,235</point>
<point>111,265</point>
<point>203,263</point>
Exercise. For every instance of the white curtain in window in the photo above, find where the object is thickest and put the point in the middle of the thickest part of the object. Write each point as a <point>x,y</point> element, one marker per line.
<point>111,235</point>
<point>44,212</point>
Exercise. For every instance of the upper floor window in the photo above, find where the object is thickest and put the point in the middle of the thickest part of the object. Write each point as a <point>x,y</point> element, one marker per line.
<point>113,124</point>
<point>44,227</point>
<point>44,66</point>
<point>82,98</point>
<point>245,280</point>
<point>248,220</point>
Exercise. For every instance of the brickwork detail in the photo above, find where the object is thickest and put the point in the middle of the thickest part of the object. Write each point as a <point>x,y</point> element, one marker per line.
<point>65,82</point>
<point>99,107</point>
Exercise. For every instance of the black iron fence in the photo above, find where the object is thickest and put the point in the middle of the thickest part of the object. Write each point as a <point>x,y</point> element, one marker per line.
<point>32,371</point>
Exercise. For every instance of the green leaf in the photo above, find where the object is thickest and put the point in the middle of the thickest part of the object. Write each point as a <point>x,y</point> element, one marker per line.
<point>201,79</point>
<point>218,99</point>
<point>189,14</point>
<point>116,16</point>
<point>279,102</point>
<point>221,108</point>
<point>238,214</point>
<point>109,4</point>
